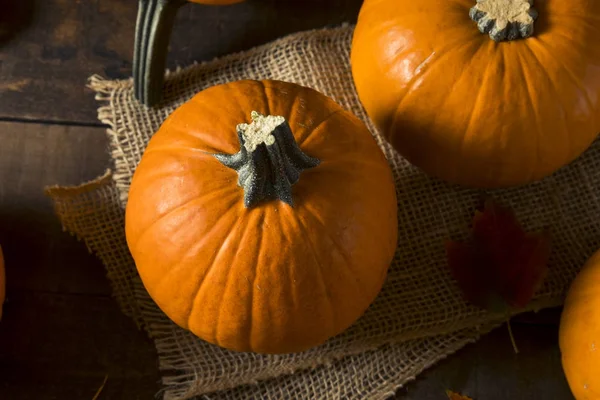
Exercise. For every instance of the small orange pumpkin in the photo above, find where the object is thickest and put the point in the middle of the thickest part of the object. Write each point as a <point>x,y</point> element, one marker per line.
<point>269,236</point>
<point>487,93</point>
<point>579,333</point>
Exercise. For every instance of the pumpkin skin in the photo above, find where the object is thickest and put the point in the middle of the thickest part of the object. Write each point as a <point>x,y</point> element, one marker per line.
<point>271,278</point>
<point>470,110</point>
<point>579,333</point>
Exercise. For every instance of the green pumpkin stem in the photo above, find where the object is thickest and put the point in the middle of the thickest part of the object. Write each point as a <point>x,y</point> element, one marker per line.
<point>504,19</point>
<point>154,24</point>
<point>269,161</point>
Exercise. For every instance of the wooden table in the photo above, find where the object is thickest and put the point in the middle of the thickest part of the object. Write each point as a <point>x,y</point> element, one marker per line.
<point>62,333</point>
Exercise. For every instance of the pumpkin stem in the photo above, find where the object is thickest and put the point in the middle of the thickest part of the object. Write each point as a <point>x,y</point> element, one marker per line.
<point>154,24</point>
<point>269,161</point>
<point>504,19</point>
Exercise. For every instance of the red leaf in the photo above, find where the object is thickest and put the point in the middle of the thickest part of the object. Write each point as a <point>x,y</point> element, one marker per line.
<point>503,266</point>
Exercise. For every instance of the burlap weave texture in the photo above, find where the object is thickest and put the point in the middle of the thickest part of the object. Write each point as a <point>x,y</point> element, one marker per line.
<point>418,318</point>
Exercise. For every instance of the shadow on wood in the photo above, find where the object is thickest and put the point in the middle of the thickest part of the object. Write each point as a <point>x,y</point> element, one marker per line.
<point>14,18</point>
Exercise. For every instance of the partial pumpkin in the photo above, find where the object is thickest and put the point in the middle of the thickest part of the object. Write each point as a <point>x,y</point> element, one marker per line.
<point>268,235</point>
<point>579,333</point>
<point>487,93</point>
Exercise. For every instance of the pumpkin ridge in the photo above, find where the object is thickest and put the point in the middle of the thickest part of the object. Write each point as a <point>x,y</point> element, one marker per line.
<point>228,274</point>
<point>408,88</point>
<point>257,265</point>
<point>312,131</point>
<point>446,52</point>
<point>290,112</point>
<point>202,197</point>
<point>210,265</point>
<point>319,270</point>
<point>558,98</point>
<point>265,97</point>
<point>571,75</point>
<point>336,246</point>
<point>240,99</point>
<point>476,106</point>
<point>340,165</point>
<point>533,112</point>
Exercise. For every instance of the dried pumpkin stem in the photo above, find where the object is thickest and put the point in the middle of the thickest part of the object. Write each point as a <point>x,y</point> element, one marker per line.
<point>269,161</point>
<point>504,19</point>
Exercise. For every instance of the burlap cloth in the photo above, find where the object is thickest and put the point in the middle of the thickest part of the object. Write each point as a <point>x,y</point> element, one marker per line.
<point>419,317</point>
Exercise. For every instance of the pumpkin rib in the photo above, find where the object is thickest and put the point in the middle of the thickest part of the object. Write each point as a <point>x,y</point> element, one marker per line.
<point>336,246</point>
<point>446,52</point>
<point>319,268</point>
<point>210,266</point>
<point>337,166</point>
<point>265,97</point>
<point>558,98</point>
<point>240,101</point>
<point>257,264</point>
<point>229,274</point>
<point>533,112</point>
<point>476,106</point>
<point>202,197</point>
<point>416,77</point>
<point>175,267</point>
<point>290,112</point>
<point>177,149</point>
<point>574,80</point>
<point>571,43</point>
<point>311,132</point>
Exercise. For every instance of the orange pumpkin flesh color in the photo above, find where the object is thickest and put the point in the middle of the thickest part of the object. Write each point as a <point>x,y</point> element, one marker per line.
<point>476,110</point>
<point>274,274</point>
<point>579,334</point>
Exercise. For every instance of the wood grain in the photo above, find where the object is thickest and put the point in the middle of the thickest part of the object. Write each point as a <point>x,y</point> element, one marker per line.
<point>55,45</point>
<point>491,370</point>
<point>61,331</point>
<point>38,254</point>
<point>55,346</point>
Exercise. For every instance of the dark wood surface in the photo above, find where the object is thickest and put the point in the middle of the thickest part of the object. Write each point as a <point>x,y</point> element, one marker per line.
<point>62,334</point>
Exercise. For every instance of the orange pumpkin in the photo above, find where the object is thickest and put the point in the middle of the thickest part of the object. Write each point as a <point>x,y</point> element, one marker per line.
<point>579,334</point>
<point>487,93</point>
<point>268,236</point>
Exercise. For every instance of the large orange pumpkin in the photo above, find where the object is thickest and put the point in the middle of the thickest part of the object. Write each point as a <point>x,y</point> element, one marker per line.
<point>487,93</point>
<point>579,334</point>
<point>268,236</point>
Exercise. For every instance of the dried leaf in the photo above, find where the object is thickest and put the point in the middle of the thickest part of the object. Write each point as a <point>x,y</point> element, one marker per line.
<point>455,396</point>
<point>503,266</point>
